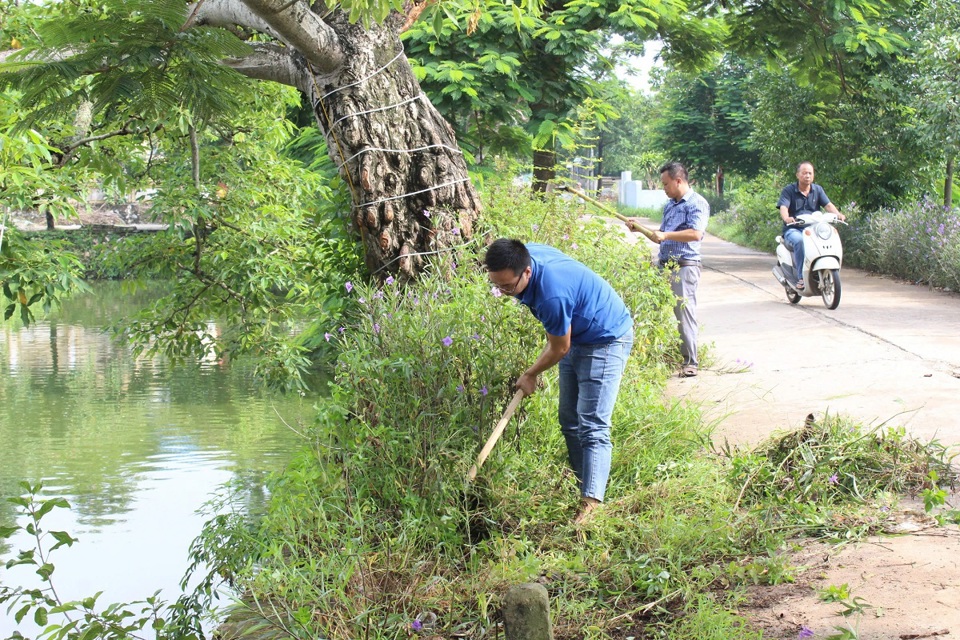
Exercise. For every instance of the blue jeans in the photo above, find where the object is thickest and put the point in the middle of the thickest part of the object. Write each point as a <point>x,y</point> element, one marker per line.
<point>589,382</point>
<point>794,240</point>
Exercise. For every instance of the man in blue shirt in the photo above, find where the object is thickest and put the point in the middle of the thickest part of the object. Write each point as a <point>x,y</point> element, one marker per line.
<point>589,335</point>
<point>803,196</point>
<point>685,218</point>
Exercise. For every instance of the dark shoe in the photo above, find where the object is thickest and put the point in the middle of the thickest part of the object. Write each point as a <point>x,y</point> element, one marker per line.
<point>800,284</point>
<point>688,371</point>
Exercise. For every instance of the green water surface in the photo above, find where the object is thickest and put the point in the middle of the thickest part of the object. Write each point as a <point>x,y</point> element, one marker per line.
<point>135,445</point>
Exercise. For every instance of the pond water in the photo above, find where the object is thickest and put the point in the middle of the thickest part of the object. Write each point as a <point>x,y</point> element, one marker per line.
<point>135,445</point>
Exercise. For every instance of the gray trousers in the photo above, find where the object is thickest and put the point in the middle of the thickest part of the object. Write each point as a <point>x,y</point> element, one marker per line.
<point>683,283</point>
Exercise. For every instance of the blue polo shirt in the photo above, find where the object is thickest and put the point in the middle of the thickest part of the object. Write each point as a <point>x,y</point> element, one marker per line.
<point>563,293</point>
<point>797,203</point>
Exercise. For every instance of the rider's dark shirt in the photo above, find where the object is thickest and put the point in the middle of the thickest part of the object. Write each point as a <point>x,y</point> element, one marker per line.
<point>798,203</point>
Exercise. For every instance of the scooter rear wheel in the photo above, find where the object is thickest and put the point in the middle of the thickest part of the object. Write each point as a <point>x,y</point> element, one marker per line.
<point>830,288</point>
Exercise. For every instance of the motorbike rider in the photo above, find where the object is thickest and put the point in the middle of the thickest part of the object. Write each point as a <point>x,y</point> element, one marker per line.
<point>803,196</point>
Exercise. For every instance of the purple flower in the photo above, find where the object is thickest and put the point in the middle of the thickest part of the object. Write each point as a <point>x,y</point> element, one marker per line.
<point>426,213</point>
<point>459,388</point>
<point>833,479</point>
<point>378,295</point>
<point>342,329</point>
<point>363,301</point>
<point>327,336</point>
<point>535,227</point>
<point>455,231</point>
<point>805,632</point>
<point>447,341</point>
<point>475,336</point>
<point>566,236</point>
<point>348,286</point>
<point>389,280</point>
<point>483,390</point>
<point>574,246</point>
<point>416,625</point>
<point>496,292</point>
<point>376,328</point>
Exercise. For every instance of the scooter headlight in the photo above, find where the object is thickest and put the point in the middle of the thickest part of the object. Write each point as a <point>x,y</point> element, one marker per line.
<point>824,231</point>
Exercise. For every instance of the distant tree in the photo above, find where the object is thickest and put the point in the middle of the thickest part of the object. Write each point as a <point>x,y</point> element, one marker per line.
<point>933,75</point>
<point>705,121</point>
<point>628,139</point>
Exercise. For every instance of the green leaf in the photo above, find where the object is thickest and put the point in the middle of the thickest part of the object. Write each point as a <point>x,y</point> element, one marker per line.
<point>45,571</point>
<point>21,613</point>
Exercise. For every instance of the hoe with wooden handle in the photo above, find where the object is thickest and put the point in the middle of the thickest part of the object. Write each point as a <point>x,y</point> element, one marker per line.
<point>630,223</point>
<point>497,432</point>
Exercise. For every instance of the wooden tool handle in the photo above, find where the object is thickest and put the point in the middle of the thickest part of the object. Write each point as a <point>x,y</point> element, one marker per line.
<point>649,233</point>
<point>497,432</point>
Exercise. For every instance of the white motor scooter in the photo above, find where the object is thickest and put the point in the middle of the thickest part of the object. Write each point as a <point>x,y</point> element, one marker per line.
<point>823,256</point>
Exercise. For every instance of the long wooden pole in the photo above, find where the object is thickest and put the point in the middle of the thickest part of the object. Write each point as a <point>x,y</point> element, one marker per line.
<point>497,431</point>
<point>649,233</point>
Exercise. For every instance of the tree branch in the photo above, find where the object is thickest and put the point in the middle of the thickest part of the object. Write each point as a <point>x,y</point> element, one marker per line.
<point>227,13</point>
<point>301,29</point>
<point>270,62</point>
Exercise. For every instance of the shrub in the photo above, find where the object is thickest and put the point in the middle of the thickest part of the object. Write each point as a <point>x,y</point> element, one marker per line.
<point>919,242</point>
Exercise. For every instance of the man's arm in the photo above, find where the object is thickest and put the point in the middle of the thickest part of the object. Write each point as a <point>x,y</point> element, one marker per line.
<point>785,215</point>
<point>553,352</point>
<point>832,208</point>
<point>687,235</point>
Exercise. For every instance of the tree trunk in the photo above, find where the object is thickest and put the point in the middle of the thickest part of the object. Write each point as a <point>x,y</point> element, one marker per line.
<point>411,192</point>
<point>544,169</point>
<point>948,184</point>
<point>412,195</point>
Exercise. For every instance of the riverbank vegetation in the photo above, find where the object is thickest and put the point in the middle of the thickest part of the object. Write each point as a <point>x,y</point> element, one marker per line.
<point>373,531</point>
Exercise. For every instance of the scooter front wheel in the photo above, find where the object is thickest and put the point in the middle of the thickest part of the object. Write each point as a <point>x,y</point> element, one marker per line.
<point>792,296</point>
<point>830,288</point>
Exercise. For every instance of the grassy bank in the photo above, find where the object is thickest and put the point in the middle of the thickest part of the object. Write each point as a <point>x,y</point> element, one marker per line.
<point>373,531</point>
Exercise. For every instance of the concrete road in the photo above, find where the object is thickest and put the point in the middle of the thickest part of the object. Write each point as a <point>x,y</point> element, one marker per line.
<point>889,354</point>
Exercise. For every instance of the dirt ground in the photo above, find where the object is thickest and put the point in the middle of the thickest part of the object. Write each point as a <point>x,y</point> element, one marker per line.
<point>888,356</point>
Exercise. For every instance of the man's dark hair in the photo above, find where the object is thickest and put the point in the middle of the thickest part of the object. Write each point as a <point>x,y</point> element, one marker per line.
<point>507,254</point>
<point>675,170</point>
<point>806,162</point>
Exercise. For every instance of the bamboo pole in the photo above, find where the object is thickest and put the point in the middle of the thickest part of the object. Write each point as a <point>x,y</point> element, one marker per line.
<point>497,431</point>
<point>634,226</point>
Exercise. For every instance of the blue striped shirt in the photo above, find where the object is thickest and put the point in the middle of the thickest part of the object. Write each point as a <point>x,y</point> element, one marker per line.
<point>692,211</point>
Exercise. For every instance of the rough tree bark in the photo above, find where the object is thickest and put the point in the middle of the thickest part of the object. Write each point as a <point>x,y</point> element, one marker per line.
<point>411,191</point>
<point>544,171</point>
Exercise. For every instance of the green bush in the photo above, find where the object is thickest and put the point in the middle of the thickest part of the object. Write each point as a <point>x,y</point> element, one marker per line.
<point>751,217</point>
<point>919,242</point>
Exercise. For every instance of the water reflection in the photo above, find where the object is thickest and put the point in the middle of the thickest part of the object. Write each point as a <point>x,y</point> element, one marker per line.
<point>134,445</point>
